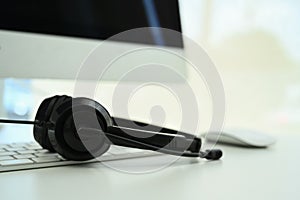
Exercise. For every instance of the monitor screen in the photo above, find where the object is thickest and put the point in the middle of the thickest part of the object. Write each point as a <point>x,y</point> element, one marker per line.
<point>54,36</point>
<point>93,18</point>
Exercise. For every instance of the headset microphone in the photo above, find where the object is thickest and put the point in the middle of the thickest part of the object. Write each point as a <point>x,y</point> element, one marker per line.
<point>214,154</point>
<point>81,129</point>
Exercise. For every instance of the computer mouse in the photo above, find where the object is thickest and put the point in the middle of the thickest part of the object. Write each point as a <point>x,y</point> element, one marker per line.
<point>241,137</point>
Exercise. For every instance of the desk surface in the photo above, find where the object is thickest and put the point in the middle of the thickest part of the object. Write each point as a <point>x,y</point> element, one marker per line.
<point>243,173</point>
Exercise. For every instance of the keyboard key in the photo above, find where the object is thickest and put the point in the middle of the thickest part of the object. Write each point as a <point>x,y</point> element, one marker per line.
<point>26,151</point>
<point>116,150</point>
<point>107,154</point>
<point>24,156</point>
<point>61,158</point>
<point>17,145</point>
<point>3,146</point>
<point>46,159</point>
<point>45,154</point>
<point>31,143</point>
<point>43,151</point>
<point>15,162</point>
<point>15,148</point>
<point>133,150</point>
<point>6,158</point>
<point>7,153</point>
<point>34,147</point>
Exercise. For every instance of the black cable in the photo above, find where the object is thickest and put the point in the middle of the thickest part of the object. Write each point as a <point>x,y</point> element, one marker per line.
<point>8,121</point>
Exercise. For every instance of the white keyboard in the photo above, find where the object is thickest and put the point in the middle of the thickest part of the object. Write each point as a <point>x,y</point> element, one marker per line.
<point>20,156</point>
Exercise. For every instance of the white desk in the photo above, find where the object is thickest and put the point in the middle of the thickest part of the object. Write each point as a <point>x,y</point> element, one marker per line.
<point>242,174</point>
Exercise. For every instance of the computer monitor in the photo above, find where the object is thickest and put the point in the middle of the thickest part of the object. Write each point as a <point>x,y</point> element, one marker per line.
<point>51,39</point>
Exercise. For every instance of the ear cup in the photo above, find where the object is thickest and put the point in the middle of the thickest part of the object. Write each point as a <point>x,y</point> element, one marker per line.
<point>71,115</point>
<point>40,131</point>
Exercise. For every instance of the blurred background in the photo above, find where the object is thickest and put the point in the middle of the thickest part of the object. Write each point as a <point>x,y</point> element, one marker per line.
<point>255,46</point>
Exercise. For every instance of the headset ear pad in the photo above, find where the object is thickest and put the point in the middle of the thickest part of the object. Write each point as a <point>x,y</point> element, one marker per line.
<point>44,112</point>
<point>73,115</point>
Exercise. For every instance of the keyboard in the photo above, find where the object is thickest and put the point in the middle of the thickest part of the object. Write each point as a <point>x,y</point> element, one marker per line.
<point>21,156</point>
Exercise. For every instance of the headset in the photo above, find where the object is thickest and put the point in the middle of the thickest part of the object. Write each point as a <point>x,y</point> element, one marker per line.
<point>81,129</point>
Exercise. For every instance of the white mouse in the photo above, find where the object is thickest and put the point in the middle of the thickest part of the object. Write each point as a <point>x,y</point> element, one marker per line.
<point>241,137</point>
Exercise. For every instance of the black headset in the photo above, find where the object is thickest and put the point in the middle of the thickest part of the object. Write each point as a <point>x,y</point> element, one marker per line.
<point>82,129</point>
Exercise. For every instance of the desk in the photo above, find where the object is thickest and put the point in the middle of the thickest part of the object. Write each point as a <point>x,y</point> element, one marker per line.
<point>243,173</point>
